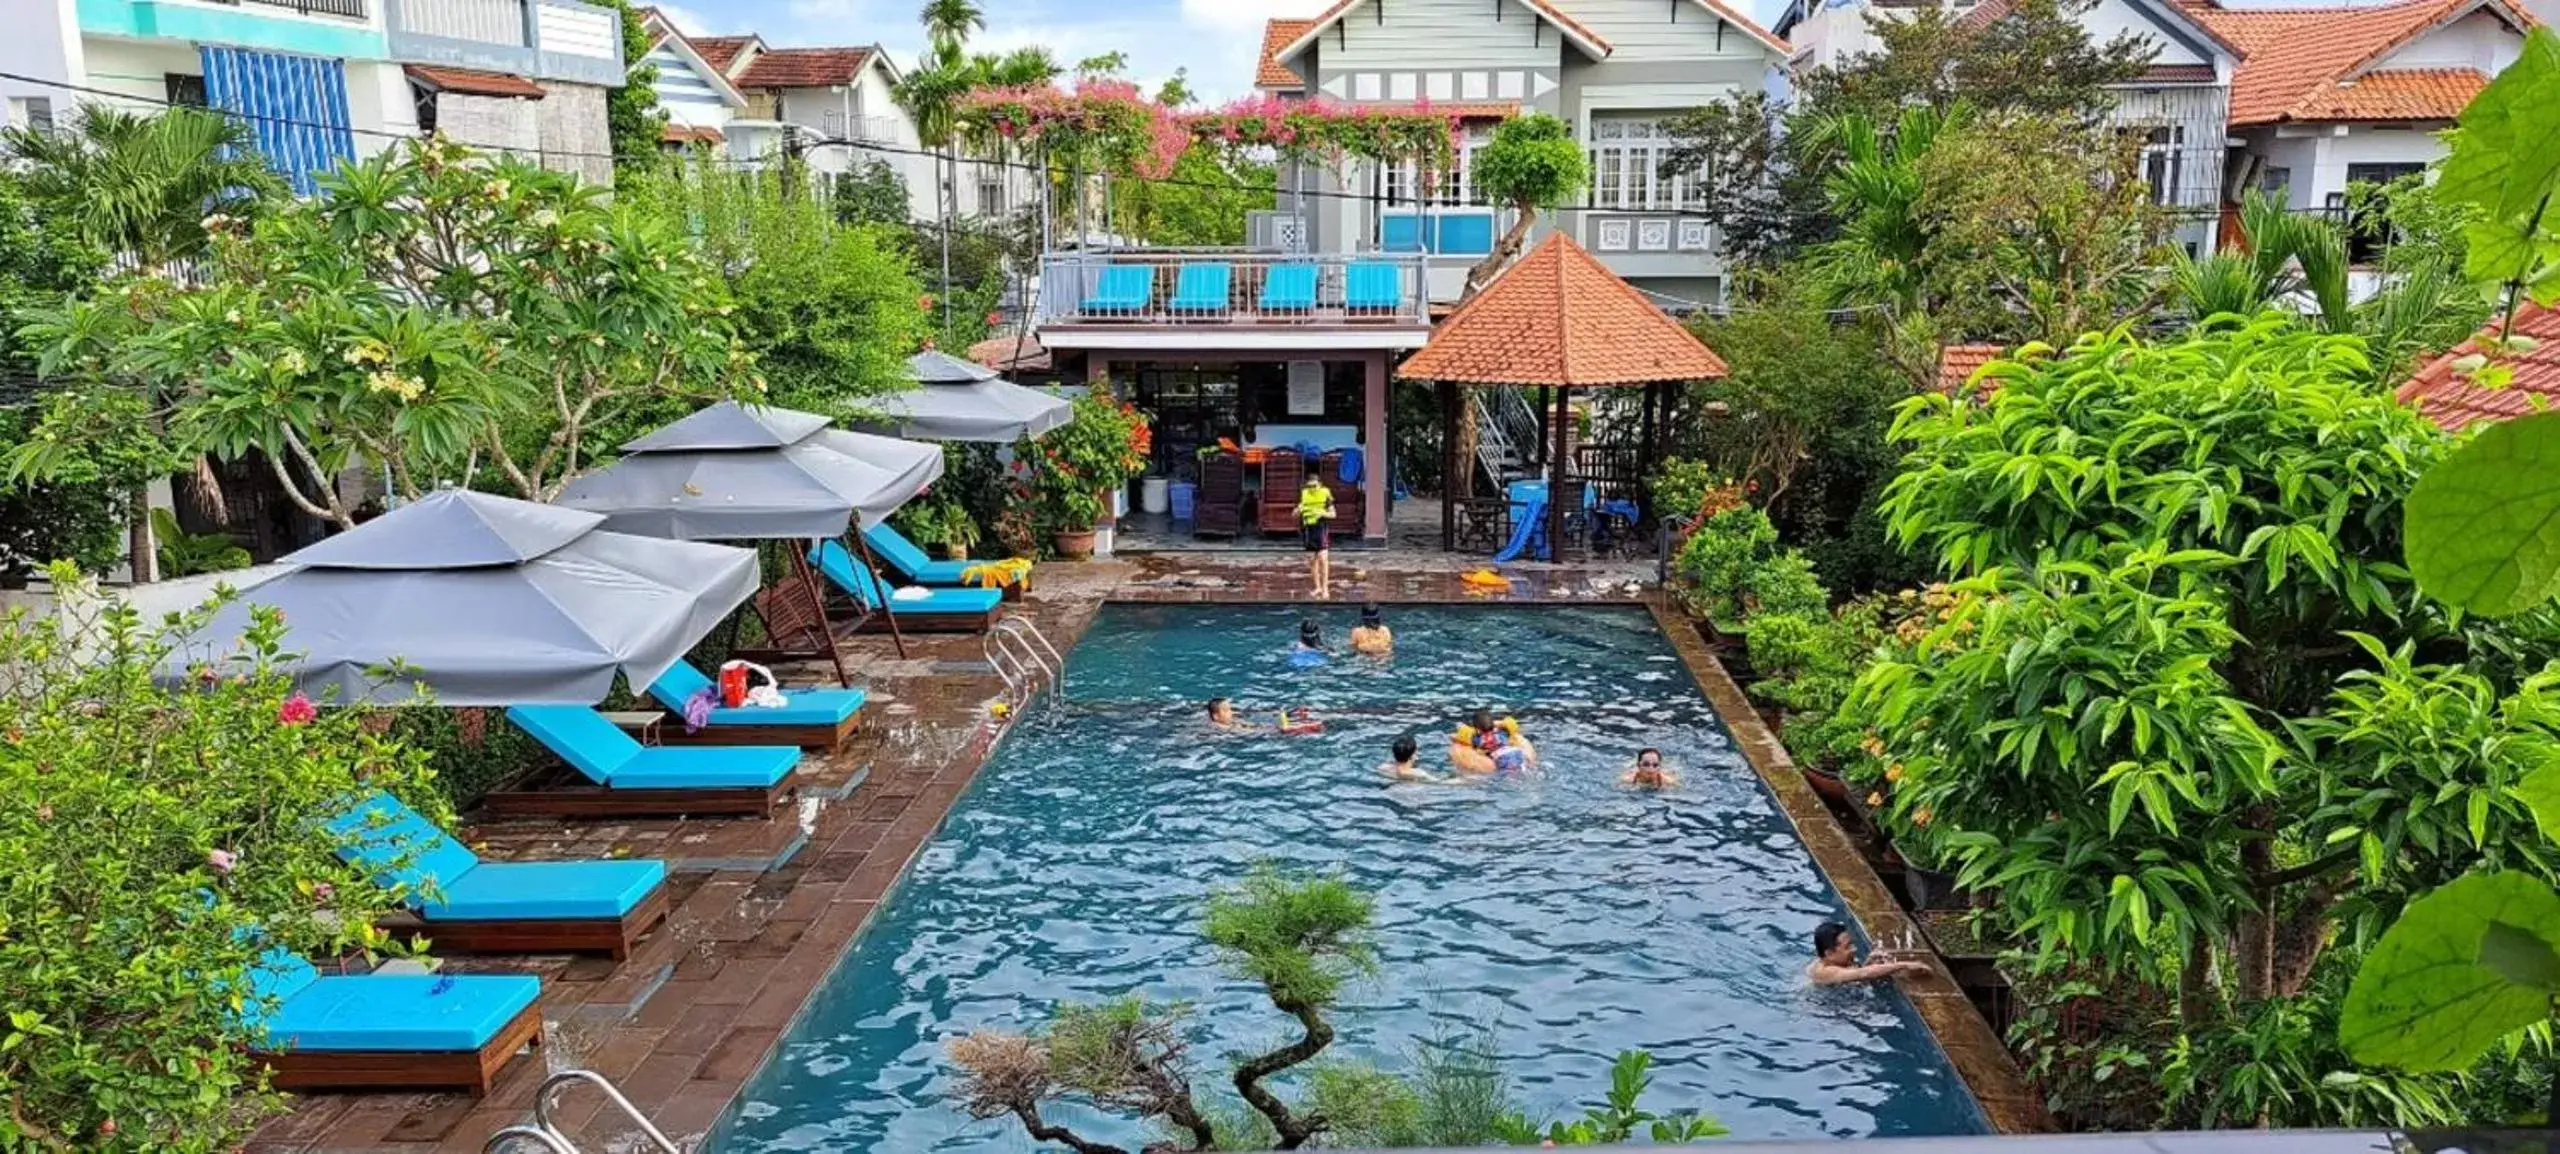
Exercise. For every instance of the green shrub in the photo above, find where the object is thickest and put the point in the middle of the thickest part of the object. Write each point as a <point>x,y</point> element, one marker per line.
<point>155,842</point>
<point>1716,564</point>
<point>1785,584</point>
<point>1786,645</point>
<point>1680,488</point>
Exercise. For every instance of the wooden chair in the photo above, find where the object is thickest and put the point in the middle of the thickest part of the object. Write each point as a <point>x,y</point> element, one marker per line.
<point>1283,472</point>
<point>1219,510</point>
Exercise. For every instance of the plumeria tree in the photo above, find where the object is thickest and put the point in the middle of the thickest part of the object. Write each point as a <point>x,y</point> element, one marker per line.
<point>156,842</point>
<point>437,314</point>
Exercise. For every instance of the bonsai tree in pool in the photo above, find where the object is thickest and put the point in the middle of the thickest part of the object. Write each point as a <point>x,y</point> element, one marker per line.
<point>1301,938</point>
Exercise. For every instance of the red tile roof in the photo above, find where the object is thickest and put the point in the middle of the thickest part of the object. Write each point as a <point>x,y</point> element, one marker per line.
<point>1277,35</point>
<point>2445,397</point>
<point>683,134</point>
<point>2177,74</point>
<point>1010,354</point>
<point>1560,317</point>
<point>1957,364</point>
<point>803,67</point>
<point>2305,65</point>
<point>720,51</point>
<point>471,82</point>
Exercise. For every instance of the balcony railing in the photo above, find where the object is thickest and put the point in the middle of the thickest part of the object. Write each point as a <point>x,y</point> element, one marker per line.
<point>351,9</point>
<point>547,39</point>
<point>1209,287</point>
<point>868,129</point>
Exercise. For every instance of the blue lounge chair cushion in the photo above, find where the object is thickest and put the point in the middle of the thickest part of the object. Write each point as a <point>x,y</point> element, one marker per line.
<point>1122,288</point>
<point>1201,288</point>
<point>838,566</point>
<point>298,1009</point>
<point>379,833</point>
<point>1372,286</point>
<point>892,546</point>
<point>546,891</point>
<point>807,706</point>
<point>1289,287</point>
<point>593,745</point>
<point>730,767</point>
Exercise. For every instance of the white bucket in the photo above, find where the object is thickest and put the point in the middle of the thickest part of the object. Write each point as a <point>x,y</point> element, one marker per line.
<point>1155,495</point>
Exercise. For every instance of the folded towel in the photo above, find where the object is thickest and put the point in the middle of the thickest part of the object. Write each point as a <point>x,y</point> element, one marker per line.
<point>912,593</point>
<point>697,708</point>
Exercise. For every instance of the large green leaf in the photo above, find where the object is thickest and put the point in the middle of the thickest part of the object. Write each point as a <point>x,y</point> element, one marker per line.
<point>2484,525</point>
<point>2540,792</point>
<point>2505,161</point>
<point>2441,987</point>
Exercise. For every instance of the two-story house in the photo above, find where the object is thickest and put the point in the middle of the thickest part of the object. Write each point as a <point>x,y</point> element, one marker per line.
<point>321,81</point>
<point>745,98</point>
<point>1612,69</point>
<point>2301,101</point>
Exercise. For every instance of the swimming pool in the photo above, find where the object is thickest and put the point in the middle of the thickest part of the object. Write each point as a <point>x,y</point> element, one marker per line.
<point>1577,918</point>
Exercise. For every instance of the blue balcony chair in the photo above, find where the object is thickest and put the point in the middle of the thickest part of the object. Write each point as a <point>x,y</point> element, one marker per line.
<point>1122,290</point>
<point>1372,287</point>
<point>500,907</point>
<point>625,778</point>
<point>810,718</point>
<point>1200,290</point>
<point>1289,288</point>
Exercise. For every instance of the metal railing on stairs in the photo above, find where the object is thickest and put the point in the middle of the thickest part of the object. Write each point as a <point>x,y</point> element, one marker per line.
<point>1506,434</point>
<point>1023,657</point>
<point>545,1134</point>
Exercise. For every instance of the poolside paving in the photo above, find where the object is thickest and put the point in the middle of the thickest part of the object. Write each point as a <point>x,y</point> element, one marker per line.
<point>762,910</point>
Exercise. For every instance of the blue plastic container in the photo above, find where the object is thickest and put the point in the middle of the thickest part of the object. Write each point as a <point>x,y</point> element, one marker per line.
<point>1185,495</point>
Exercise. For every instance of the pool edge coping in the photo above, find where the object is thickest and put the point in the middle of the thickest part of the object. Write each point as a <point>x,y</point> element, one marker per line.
<point>2000,1088</point>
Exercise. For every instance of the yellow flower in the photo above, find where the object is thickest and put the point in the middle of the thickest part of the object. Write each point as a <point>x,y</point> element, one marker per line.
<point>1875,800</point>
<point>1893,772</point>
<point>1922,818</point>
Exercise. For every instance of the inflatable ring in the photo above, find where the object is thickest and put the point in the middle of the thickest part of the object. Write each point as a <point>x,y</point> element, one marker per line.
<point>1484,579</point>
<point>1469,759</point>
<point>1299,723</point>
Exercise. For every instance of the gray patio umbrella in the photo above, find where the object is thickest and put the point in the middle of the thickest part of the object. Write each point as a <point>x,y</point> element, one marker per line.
<point>485,600</point>
<point>956,400</point>
<point>737,472</point>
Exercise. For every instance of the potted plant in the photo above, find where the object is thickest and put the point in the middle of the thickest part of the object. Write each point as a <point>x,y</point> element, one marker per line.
<point>940,525</point>
<point>1083,462</point>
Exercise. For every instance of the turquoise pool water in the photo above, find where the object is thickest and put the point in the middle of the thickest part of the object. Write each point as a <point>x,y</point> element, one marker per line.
<point>1577,918</point>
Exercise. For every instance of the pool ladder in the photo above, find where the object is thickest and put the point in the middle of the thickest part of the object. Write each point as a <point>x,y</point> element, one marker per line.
<point>546,1136</point>
<point>1023,657</point>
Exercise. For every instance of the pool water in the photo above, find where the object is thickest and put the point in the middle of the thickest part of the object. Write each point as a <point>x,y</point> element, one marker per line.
<point>1575,918</point>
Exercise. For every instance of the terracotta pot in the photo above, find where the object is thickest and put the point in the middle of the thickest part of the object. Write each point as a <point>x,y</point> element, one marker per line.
<point>952,552</point>
<point>1075,546</point>
<point>1826,783</point>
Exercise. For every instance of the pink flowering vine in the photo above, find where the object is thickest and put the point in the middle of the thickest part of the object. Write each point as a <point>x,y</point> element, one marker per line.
<point>297,710</point>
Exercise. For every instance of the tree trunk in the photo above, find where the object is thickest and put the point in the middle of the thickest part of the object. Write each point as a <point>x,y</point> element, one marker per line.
<point>2298,940</point>
<point>1294,1131</point>
<point>2253,954</point>
<point>1042,1131</point>
<point>1502,255</point>
<point>2195,984</point>
<point>145,555</point>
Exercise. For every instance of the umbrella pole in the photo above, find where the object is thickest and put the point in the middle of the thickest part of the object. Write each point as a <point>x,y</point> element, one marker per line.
<point>818,597</point>
<point>863,548</point>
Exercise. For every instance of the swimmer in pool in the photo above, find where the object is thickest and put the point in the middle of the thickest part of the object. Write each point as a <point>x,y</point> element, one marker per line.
<point>1372,636</point>
<point>1649,773</point>
<point>1222,716</point>
<point>1402,768</point>
<point>1309,649</point>
<point>1835,960</point>
<point>1488,746</point>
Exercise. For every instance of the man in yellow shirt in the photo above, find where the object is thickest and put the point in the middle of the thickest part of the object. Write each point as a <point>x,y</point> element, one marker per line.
<point>1315,531</point>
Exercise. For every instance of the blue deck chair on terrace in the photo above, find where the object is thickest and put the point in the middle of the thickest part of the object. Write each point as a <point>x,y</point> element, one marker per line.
<point>809,718</point>
<point>1289,288</point>
<point>631,779</point>
<point>1200,290</point>
<point>937,611</point>
<point>909,561</point>
<point>373,1031</point>
<point>1122,289</point>
<point>1372,287</point>
<point>501,907</point>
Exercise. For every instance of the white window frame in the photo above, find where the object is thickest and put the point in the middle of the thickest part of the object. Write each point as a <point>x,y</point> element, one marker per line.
<point>1630,156</point>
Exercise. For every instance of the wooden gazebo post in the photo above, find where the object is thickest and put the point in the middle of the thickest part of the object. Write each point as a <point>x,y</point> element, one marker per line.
<point>1449,473</point>
<point>1556,462</point>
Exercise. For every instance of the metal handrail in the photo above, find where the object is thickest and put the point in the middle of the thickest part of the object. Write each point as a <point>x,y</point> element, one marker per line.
<point>1030,635</point>
<point>544,1096</point>
<point>549,1141</point>
<point>1013,674</point>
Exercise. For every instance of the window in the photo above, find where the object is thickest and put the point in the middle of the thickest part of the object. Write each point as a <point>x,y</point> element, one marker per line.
<point>33,113</point>
<point>424,101</point>
<point>1632,168</point>
<point>184,89</point>
<point>2277,181</point>
<point>2164,149</point>
<point>1453,189</point>
<point>990,194</point>
<point>2364,209</point>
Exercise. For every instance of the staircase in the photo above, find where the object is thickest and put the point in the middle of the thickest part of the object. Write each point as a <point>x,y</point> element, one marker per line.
<point>1506,435</point>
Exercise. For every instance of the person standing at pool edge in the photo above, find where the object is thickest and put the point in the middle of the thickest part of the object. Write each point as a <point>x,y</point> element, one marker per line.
<point>1835,960</point>
<point>1315,531</point>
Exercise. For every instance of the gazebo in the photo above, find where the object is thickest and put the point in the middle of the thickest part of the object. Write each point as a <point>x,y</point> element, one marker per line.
<point>1559,319</point>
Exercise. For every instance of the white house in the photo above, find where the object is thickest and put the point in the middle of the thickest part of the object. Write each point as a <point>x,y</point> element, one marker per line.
<point>1612,69</point>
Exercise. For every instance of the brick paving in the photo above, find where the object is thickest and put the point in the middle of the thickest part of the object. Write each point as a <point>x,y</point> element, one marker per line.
<point>762,910</point>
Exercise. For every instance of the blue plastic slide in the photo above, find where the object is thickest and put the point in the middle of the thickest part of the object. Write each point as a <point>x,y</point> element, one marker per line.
<point>1532,524</point>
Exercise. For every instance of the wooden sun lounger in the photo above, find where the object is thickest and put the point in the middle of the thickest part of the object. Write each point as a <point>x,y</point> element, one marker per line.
<point>462,904</point>
<point>472,1072</point>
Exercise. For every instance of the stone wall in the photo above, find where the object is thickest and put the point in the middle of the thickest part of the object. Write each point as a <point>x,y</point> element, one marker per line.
<point>489,123</point>
<point>573,134</point>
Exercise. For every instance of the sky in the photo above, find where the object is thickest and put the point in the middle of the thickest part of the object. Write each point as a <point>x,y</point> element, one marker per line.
<point>1216,40</point>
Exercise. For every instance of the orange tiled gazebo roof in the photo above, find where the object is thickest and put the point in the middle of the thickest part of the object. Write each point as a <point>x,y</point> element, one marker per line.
<point>2443,395</point>
<point>1559,317</point>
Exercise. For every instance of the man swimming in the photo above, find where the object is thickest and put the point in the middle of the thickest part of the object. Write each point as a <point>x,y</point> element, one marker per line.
<point>1835,960</point>
<point>1222,716</point>
<point>1649,772</point>
<point>1372,636</point>
<point>1402,767</point>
